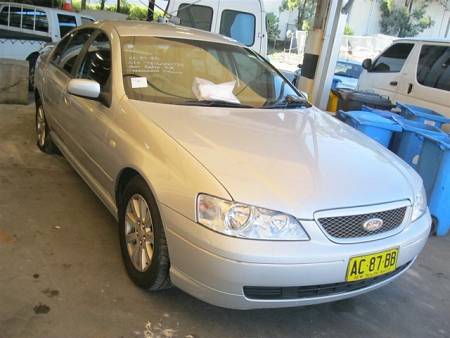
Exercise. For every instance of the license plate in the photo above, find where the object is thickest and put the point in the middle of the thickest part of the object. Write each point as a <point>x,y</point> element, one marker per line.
<point>369,266</point>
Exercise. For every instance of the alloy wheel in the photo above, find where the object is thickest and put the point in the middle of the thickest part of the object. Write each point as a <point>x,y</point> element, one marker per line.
<point>40,126</point>
<point>139,234</point>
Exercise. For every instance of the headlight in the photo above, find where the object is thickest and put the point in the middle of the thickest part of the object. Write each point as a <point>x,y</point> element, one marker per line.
<point>420,204</point>
<point>245,221</point>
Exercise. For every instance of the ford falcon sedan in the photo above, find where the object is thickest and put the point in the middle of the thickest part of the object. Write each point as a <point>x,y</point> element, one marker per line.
<point>224,180</point>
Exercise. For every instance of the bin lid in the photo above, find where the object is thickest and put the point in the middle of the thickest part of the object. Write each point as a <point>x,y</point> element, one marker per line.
<point>442,141</point>
<point>384,113</point>
<point>424,112</point>
<point>418,127</point>
<point>374,120</point>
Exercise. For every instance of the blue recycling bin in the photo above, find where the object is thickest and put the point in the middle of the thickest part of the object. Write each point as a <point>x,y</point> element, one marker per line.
<point>423,115</point>
<point>408,144</point>
<point>434,167</point>
<point>376,127</point>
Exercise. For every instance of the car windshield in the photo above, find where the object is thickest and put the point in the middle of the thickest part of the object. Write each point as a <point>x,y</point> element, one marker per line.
<point>348,69</point>
<point>179,71</point>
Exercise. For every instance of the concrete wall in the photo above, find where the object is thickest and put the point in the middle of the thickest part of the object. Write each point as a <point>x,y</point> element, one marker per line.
<point>14,81</point>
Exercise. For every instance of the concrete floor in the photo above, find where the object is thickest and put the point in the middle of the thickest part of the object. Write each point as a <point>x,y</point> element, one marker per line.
<point>61,273</point>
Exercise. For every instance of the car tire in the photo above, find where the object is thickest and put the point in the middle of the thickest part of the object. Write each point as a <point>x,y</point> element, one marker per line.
<point>142,239</point>
<point>44,140</point>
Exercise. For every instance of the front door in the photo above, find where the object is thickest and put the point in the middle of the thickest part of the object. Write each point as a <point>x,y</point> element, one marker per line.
<point>93,118</point>
<point>386,74</point>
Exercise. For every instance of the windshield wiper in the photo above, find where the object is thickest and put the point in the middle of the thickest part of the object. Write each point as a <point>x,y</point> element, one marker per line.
<point>215,103</point>
<point>290,101</point>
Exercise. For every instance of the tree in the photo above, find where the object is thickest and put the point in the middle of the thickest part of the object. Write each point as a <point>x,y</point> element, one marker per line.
<point>273,30</point>
<point>102,4</point>
<point>306,9</point>
<point>404,21</point>
<point>83,4</point>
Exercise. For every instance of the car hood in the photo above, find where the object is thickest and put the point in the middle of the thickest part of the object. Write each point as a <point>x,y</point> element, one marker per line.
<point>297,161</point>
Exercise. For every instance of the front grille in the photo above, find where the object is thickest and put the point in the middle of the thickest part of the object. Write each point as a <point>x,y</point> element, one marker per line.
<point>351,226</point>
<point>311,291</point>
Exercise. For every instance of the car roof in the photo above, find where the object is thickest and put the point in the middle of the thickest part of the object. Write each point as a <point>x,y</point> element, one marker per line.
<point>432,40</point>
<point>18,4</point>
<point>144,28</point>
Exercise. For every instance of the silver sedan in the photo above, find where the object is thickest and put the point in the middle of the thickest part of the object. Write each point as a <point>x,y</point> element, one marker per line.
<point>224,180</point>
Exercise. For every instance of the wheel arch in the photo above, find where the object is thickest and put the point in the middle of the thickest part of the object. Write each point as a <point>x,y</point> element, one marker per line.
<point>122,179</point>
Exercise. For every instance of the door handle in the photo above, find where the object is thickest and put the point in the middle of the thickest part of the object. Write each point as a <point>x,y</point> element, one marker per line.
<point>66,99</point>
<point>393,83</point>
<point>410,88</point>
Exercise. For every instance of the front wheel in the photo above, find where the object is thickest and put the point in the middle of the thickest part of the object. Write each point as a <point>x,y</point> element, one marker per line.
<point>142,238</point>
<point>44,141</point>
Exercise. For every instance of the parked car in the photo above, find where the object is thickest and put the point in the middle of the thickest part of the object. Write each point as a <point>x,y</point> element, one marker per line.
<point>346,74</point>
<point>415,71</point>
<point>244,21</point>
<point>25,29</point>
<point>225,181</point>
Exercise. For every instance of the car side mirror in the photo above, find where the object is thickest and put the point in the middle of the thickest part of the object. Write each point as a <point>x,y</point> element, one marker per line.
<point>85,88</point>
<point>367,64</point>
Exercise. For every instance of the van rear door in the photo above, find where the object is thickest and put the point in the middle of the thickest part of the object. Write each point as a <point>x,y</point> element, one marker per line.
<point>243,21</point>
<point>199,14</point>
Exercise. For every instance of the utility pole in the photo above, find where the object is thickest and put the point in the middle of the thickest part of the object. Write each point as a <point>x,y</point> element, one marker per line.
<point>151,10</point>
<point>322,48</point>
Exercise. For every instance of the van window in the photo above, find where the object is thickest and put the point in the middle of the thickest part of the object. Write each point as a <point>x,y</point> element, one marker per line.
<point>28,18</point>
<point>392,60</point>
<point>66,23</point>
<point>433,69</point>
<point>196,16</point>
<point>239,26</point>
<point>41,23</point>
<point>14,16</point>
<point>4,16</point>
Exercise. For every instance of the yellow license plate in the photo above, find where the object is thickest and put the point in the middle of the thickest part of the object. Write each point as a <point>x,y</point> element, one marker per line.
<point>372,265</point>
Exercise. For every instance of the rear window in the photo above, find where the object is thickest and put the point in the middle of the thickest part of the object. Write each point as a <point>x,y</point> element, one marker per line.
<point>433,69</point>
<point>392,60</point>
<point>239,26</point>
<point>41,23</point>
<point>28,18</point>
<point>14,16</point>
<point>4,16</point>
<point>66,23</point>
<point>196,16</point>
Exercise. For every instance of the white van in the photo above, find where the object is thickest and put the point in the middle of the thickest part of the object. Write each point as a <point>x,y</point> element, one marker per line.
<point>25,29</point>
<point>414,71</point>
<point>242,20</point>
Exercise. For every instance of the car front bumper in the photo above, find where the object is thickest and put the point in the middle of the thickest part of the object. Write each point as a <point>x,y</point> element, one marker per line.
<point>216,268</point>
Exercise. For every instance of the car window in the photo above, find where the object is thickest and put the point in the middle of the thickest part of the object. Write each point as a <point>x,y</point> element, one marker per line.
<point>41,22</point>
<point>68,56</point>
<point>28,18</point>
<point>433,69</point>
<point>171,71</point>
<point>66,23</point>
<point>348,69</point>
<point>4,16</point>
<point>96,63</point>
<point>196,16</point>
<point>14,16</point>
<point>392,60</point>
<point>239,26</point>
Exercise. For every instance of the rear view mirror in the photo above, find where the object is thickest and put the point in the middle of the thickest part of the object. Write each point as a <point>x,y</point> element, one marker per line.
<point>367,64</point>
<point>85,88</point>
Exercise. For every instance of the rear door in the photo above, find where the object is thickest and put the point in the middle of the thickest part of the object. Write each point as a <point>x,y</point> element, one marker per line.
<point>428,80</point>
<point>241,21</point>
<point>59,72</point>
<point>387,70</point>
<point>201,15</point>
